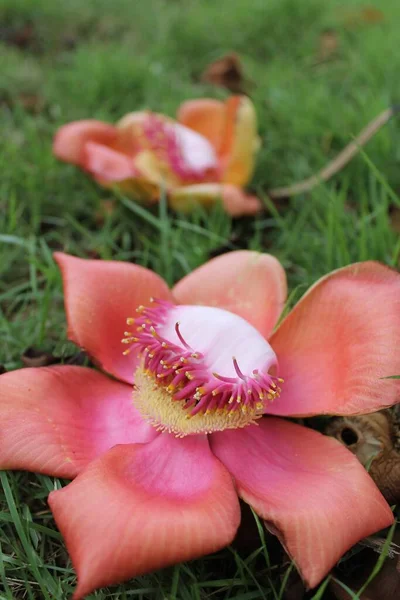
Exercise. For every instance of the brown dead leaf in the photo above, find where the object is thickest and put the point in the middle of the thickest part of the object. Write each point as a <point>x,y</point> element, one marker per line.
<point>226,72</point>
<point>328,45</point>
<point>364,15</point>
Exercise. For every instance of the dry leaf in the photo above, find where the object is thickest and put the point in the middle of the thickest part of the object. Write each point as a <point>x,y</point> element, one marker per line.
<point>365,15</point>
<point>226,72</point>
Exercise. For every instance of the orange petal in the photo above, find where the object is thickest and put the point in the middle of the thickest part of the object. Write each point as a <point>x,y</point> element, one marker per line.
<point>205,116</point>
<point>241,141</point>
<point>236,202</point>
<point>56,420</point>
<point>99,296</point>
<point>143,507</point>
<point>70,140</point>
<point>339,343</point>
<point>232,129</point>
<point>249,284</point>
<point>311,491</point>
<point>130,132</point>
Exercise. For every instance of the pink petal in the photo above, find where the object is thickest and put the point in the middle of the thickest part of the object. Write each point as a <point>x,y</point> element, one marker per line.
<point>55,420</point>
<point>70,140</point>
<point>249,284</point>
<point>143,507</point>
<point>310,490</point>
<point>99,297</point>
<point>197,153</point>
<point>107,164</point>
<point>235,201</point>
<point>339,343</point>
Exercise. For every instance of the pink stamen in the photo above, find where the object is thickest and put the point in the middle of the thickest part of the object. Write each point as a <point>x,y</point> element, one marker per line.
<point>182,341</point>
<point>238,371</point>
<point>160,137</point>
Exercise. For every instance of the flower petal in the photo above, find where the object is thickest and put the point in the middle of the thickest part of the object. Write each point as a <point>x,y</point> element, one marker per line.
<point>232,129</point>
<point>241,141</point>
<point>339,343</point>
<point>143,507</point>
<point>107,164</point>
<point>249,284</point>
<point>307,487</point>
<point>206,116</point>
<point>197,154</point>
<point>55,420</point>
<point>70,140</point>
<point>99,297</point>
<point>235,201</point>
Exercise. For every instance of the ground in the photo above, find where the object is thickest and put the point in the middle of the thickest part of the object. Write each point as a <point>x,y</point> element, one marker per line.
<point>319,72</point>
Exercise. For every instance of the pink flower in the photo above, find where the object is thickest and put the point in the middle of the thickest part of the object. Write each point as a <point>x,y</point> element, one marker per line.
<point>204,156</point>
<point>143,497</point>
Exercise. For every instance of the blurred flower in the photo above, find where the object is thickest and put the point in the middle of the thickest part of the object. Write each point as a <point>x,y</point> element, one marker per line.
<point>159,469</point>
<point>205,156</point>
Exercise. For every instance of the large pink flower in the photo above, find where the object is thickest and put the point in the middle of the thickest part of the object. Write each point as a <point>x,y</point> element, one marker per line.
<point>160,463</point>
<point>204,156</point>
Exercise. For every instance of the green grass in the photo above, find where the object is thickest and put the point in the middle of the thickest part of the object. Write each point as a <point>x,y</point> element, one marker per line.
<point>99,59</point>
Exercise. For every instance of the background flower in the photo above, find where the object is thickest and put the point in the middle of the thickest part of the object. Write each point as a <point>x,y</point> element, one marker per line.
<point>205,156</point>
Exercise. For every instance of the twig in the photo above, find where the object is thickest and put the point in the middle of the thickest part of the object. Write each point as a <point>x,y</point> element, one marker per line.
<point>341,159</point>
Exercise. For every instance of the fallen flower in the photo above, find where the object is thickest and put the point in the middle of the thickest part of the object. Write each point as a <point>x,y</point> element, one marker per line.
<point>162,451</point>
<point>205,156</point>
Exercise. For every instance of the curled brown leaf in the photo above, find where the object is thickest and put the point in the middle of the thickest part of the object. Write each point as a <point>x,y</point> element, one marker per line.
<point>226,72</point>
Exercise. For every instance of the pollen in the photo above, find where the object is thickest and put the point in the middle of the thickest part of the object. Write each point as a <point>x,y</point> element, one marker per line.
<point>176,388</point>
